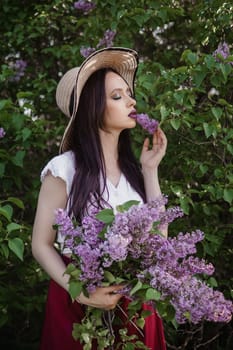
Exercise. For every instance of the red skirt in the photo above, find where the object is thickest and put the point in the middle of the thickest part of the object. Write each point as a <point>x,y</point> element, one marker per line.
<point>61,313</point>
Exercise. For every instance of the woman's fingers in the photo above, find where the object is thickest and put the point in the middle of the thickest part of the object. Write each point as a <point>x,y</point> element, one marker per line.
<point>146,144</point>
<point>103,298</point>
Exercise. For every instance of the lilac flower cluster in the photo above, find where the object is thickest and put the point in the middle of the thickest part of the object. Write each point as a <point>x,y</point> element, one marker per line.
<point>87,51</point>
<point>84,5</point>
<point>108,38</point>
<point>2,133</point>
<point>132,247</point>
<point>84,242</point>
<point>19,67</point>
<point>150,125</point>
<point>222,50</point>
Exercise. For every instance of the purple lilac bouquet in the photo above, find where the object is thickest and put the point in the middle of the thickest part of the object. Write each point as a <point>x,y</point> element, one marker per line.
<point>148,124</point>
<point>128,247</point>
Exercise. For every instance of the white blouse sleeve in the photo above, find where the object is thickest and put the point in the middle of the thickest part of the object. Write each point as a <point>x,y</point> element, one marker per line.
<point>62,166</point>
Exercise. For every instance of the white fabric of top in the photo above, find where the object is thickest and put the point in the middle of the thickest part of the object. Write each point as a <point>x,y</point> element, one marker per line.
<point>63,166</point>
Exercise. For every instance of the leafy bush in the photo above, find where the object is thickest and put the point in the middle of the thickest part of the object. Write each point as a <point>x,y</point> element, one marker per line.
<point>180,83</point>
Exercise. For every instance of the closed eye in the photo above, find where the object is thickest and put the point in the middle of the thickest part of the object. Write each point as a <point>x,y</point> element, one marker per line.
<point>116,97</point>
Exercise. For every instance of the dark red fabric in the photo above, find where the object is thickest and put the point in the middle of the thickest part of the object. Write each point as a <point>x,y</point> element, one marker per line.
<point>61,313</point>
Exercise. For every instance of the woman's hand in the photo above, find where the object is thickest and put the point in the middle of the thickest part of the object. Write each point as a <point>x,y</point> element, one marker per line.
<point>151,157</point>
<point>102,298</point>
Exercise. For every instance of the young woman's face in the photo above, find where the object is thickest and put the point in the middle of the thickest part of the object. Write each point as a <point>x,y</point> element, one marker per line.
<point>119,104</point>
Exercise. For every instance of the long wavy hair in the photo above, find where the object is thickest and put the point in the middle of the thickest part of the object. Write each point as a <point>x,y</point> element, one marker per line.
<point>85,143</point>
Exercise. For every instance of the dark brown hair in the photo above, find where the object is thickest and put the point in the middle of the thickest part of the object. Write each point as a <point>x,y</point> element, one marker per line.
<point>86,145</point>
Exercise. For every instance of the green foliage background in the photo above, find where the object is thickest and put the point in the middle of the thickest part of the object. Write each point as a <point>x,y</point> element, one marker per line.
<point>175,40</point>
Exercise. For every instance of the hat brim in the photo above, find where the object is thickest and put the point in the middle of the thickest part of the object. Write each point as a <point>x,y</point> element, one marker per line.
<point>122,60</point>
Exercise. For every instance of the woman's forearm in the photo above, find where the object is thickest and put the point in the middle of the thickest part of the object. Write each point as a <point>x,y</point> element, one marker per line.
<point>52,263</point>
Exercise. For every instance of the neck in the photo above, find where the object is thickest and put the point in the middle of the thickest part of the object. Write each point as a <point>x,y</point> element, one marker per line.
<point>109,143</point>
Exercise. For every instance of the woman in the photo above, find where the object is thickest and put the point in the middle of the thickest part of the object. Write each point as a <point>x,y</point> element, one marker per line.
<point>96,167</point>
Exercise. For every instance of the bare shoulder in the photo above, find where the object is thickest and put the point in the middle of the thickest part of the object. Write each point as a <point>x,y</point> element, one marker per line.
<point>53,191</point>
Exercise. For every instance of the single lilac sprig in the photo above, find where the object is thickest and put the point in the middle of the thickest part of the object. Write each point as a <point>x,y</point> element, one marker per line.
<point>84,5</point>
<point>222,50</point>
<point>108,38</point>
<point>148,124</point>
<point>87,51</point>
<point>106,41</point>
<point>19,67</point>
<point>2,133</point>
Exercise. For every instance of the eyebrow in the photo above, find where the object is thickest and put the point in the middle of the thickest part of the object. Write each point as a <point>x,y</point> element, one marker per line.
<point>120,89</point>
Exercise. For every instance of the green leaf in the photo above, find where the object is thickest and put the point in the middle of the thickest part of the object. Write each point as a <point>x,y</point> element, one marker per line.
<point>192,57</point>
<point>208,129</point>
<point>16,245</point>
<point>5,250</point>
<point>106,216</point>
<point>18,158</point>
<point>187,315</point>
<point>26,133</point>
<point>70,268</point>
<point>175,123</point>
<point>5,104</point>
<point>136,288</point>
<point>125,206</point>
<point>228,195</point>
<point>146,313</point>
<point>210,61</point>
<point>212,282</point>
<point>164,112</point>
<point>2,169</point>
<point>6,211</point>
<point>140,322</point>
<point>13,227</point>
<point>129,346</point>
<point>16,201</point>
<point>230,148</point>
<point>75,288</point>
<point>203,168</point>
<point>153,294</point>
<point>184,203</point>
<point>170,311</point>
<point>217,112</point>
<point>109,276</point>
<point>198,77</point>
<point>226,70</point>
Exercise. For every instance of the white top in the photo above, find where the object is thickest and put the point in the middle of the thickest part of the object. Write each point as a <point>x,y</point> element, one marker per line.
<point>63,166</point>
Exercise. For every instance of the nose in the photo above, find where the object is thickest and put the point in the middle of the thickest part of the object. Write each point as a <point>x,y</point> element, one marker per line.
<point>131,101</point>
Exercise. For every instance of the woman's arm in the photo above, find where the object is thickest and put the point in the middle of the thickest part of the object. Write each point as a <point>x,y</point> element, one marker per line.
<point>51,197</point>
<point>150,160</point>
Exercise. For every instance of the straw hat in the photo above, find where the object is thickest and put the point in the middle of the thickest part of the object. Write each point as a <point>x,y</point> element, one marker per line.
<point>124,61</point>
